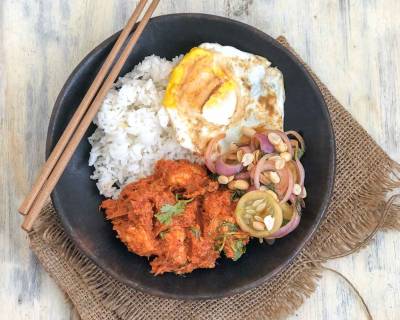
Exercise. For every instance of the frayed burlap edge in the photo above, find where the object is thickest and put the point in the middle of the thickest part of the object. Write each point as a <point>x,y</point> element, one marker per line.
<point>365,178</point>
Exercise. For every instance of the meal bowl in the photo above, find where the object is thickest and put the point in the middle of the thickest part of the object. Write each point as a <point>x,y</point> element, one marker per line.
<point>77,199</point>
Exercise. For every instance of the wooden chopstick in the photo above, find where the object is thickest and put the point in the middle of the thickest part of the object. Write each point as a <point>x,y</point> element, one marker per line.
<point>80,131</point>
<point>80,112</point>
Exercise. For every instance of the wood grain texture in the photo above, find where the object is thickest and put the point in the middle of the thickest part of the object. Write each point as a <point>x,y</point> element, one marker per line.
<point>353,46</point>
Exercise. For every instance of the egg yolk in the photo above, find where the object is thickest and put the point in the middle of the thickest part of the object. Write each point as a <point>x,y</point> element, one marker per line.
<point>221,105</point>
<point>201,83</point>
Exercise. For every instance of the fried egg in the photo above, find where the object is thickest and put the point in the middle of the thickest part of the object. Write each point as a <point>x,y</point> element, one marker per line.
<point>219,89</point>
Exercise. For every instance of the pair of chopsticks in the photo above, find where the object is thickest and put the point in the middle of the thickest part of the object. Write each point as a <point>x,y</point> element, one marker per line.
<point>83,116</point>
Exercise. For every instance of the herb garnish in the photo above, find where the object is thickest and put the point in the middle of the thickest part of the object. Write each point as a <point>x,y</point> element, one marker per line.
<point>221,239</point>
<point>237,194</point>
<point>270,186</point>
<point>220,244</point>
<point>168,211</point>
<point>298,152</point>
<point>231,226</point>
<point>213,176</point>
<point>239,249</point>
<point>299,204</point>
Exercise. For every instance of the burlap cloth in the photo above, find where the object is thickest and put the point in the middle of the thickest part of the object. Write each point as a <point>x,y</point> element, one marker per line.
<point>365,177</point>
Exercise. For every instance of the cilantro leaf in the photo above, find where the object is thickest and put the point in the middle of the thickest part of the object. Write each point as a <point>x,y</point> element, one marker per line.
<point>220,244</point>
<point>299,204</point>
<point>239,249</point>
<point>237,194</point>
<point>232,230</point>
<point>270,186</point>
<point>213,176</point>
<point>168,211</point>
<point>231,226</point>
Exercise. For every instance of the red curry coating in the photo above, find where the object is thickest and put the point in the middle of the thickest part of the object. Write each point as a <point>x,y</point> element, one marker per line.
<point>193,238</point>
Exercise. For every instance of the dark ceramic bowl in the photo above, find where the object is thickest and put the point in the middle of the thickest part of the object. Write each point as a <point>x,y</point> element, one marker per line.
<point>77,200</point>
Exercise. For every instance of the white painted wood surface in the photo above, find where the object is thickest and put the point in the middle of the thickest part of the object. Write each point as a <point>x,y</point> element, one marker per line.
<point>354,46</point>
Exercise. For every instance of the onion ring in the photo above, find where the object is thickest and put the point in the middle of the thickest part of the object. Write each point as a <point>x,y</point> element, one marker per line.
<point>243,175</point>
<point>209,162</point>
<point>260,166</point>
<point>226,169</point>
<point>285,173</point>
<point>263,141</point>
<point>298,137</point>
<point>301,172</point>
<point>287,228</point>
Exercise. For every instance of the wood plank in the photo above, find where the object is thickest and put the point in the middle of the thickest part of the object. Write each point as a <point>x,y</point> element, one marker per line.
<point>352,45</point>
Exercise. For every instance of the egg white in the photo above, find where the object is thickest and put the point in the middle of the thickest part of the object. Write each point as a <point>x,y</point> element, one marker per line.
<point>238,105</point>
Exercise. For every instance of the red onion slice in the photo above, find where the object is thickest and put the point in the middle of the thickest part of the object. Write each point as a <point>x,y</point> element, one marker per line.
<point>287,228</point>
<point>264,143</point>
<point>297,136</point>
<point>243,175</point>
<point>286,173</point>
<point>226,169</point>
<point>301,172</point>
<point>208,154</point>
<point>261,166</point>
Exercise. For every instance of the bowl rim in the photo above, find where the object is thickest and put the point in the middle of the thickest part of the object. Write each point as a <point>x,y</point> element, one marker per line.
<point>331,166</point>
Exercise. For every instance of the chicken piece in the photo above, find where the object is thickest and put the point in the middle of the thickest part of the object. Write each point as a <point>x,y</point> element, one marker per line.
<point>141,214</point>
<point>185,177</point>
<point>174,252</point>
<point>137,239</point>
<point>115,209</point>
<point>131,190</point>
<point>189,216</point>
<point>201,251</point>
<point>235,245</point>
<point>161,198</point>
<point>217,207</point>
<point>221,226</point>
<point>178,216</point>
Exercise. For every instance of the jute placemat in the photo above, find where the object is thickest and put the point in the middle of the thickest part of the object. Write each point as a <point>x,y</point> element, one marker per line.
<point>365,178</point>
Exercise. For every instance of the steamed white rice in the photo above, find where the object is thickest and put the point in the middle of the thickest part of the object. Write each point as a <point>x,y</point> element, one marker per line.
<point>133,129</point>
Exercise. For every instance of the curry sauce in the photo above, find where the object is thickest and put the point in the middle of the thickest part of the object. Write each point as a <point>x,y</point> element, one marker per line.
<point>179,217</point>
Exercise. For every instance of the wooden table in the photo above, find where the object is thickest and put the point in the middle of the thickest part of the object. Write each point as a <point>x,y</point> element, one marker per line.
<point>354,46</point>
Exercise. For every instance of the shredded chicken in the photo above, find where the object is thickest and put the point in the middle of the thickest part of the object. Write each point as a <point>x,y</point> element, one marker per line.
<point>179,217</point>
